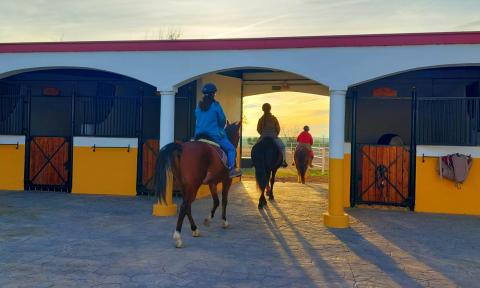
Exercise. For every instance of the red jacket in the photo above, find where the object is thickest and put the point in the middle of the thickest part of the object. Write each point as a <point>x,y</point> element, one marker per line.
<point>305,137</point>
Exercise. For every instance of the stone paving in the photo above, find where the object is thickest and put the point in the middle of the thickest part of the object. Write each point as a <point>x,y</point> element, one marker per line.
<point>63,240</point>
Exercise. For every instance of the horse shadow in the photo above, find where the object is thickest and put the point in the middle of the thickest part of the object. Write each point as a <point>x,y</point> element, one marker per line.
<point>330,275</point>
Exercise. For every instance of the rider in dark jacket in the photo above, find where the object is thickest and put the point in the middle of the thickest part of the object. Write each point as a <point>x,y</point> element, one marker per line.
<point>268,126</point>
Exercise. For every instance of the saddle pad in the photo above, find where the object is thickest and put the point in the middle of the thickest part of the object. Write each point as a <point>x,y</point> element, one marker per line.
<point>218,149</point>
<point>208,142</point>
<point>222,155</point>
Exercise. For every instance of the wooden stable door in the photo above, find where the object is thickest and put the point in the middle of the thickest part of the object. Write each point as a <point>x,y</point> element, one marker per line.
<point>384,175</point>
<point>150,150</point>
<point>49,164</point>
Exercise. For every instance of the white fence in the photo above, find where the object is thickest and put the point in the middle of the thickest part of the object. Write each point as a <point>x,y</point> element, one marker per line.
<point>320,159</point>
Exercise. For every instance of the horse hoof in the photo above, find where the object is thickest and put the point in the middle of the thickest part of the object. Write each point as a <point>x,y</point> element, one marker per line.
<point>196,233</point>
<point>207,221</point>
<point>178,243</point>
<point>178,240</point>
<point>225,224</point>
<point>271,198</point>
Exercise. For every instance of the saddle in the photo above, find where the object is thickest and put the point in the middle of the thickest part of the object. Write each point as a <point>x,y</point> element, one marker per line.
<point>216,148</point>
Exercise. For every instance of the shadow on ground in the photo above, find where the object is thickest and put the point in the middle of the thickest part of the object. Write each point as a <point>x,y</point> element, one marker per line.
<point>63,240</point>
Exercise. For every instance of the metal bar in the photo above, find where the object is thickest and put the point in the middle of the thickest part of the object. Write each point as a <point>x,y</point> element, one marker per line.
<point>10,144</point>
<point>111,147</point>
<point>353,148</point>
<point>413,150</point>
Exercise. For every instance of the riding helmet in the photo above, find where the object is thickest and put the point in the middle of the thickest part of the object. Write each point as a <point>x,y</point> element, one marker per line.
<point>209,89</point>
<point>306,128</point>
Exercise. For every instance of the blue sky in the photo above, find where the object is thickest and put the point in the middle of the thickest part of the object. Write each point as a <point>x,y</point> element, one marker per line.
<point>59,20</point>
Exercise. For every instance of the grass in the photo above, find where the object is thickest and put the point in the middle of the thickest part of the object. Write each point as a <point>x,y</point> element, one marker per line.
<point>289,174</point>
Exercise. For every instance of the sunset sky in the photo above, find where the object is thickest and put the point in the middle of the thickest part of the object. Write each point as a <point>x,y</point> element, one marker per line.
<point>293,111</point>
<point>60,20</point>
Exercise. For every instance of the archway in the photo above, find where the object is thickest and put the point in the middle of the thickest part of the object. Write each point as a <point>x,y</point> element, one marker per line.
<point>428,108</point>
<point>232,82</point>
<point>51,107</point>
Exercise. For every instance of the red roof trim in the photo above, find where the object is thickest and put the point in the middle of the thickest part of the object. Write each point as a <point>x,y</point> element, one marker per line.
<point>443,38</point>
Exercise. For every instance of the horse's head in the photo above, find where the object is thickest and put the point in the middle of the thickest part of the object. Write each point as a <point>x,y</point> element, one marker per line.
<point>233,132</point>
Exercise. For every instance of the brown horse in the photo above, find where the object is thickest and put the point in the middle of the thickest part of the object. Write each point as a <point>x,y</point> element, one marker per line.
<point>193,164</point>
<point>301,156</point>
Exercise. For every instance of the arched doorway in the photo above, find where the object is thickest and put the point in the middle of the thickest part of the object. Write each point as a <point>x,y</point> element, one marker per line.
<point>52,106</point>
<point>420,109</point>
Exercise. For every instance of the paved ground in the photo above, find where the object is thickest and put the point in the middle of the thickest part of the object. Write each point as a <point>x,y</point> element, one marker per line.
<point>62,240</point>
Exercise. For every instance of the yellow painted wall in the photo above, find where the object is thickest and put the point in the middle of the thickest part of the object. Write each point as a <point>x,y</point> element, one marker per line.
<point>105,171</point>
<point>437,195</point>
<point>204,191</point>
<point>12,164</point>
<point>346,179</point>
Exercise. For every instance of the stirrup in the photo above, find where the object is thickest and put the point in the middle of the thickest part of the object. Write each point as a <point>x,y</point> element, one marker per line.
<point>234,173</point>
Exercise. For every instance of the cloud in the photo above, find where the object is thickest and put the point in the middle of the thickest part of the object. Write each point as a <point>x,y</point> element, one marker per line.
<point>48,20</point>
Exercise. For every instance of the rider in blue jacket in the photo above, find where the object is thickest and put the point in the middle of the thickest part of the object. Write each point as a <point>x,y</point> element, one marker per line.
<point>211,120</point>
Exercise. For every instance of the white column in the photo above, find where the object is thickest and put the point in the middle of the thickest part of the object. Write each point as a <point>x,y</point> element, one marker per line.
<point>167,125</point>
<point>336,217</point>
<point>167,117</point>
<point>337,123</point>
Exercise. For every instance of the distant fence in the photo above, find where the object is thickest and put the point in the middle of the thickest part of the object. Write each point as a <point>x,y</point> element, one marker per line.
<point>320,159</point>
<point>320,150</point>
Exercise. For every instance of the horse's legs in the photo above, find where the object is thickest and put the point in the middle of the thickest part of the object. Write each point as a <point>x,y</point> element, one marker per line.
<point>195,230</point>
<point>226,186</point>
<point>178,230</point>
<point>272,181</point>
<point>216,203</point>
<point>263,201</point>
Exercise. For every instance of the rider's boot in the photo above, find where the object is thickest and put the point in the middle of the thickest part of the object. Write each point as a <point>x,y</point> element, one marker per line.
<point>234,172</point>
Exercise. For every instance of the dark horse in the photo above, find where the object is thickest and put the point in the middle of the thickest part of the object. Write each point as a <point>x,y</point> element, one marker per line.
<point>301,162</point>
<point>193,164</point>
<point>266,158</point>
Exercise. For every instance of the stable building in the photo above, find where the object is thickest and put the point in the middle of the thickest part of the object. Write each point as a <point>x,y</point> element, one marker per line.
<point>90,117</point>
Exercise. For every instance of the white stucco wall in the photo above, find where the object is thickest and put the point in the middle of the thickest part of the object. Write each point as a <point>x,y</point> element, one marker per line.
<point>335,67</point>
<point>228,94</point>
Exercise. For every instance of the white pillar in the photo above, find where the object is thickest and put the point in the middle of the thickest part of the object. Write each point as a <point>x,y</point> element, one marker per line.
<point>167,125</point>
<point>336,217</point>
<point>167,117</point>
<point>337,123</point>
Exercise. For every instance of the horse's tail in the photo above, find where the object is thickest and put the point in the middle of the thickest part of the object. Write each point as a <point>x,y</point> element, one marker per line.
<point>261,174</point>
<point>301,162</point>
<point>167,166</point>
<point>260,161</point>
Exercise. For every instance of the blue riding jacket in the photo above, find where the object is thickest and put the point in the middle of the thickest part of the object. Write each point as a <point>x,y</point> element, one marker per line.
<point>210,122</point>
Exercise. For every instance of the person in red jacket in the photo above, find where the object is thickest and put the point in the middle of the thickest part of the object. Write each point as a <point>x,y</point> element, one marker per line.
<point>306,139</point>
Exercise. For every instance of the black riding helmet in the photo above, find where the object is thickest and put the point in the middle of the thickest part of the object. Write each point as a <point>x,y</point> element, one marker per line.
<point>266,108</point>
<point>306,128</point>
